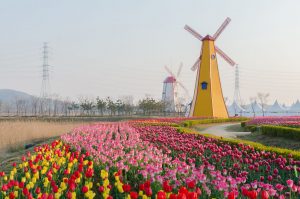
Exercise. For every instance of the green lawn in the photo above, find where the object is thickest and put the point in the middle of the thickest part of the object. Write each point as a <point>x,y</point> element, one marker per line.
<point>272,141</point>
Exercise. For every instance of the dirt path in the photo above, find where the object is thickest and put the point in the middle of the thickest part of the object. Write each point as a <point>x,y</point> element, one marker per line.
<point>221,130</point>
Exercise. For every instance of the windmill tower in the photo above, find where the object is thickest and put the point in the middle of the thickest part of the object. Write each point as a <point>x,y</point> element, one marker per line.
<point>170,90</point>
<point>208,100</point>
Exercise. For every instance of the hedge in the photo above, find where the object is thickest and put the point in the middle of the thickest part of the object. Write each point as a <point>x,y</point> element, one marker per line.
<point>190,123</point>
<point>256,146</point>
<point>281,131</point>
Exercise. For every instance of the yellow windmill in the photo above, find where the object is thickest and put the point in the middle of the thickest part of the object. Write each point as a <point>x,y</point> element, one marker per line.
<point>208,100</point>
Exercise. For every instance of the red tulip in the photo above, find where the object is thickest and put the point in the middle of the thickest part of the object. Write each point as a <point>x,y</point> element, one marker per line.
<point>148,191</point>
<point>191,185</point>
<point>126,188</point>
<point>134,195</point>
<point>25,191</point>
<point>264,194</point>
<point>101,189</point>
<point>183,190</point>
<point>12,195</point>
<point>142,187</point>
<point>4,187</point>
<point>85,189</point>
<point>192,195</point>
<point>173,196</point>
<point>198,191</point>
<point>38,190</point>
<point>231,195</point>
<point>252,194</point>
<point>181,196</point>
<point>161,195</point>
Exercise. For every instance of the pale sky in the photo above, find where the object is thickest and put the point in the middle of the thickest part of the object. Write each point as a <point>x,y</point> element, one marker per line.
<point>116,48</point>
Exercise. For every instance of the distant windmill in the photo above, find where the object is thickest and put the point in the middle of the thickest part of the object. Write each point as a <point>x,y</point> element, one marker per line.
<point>208,98</point>
<point>170,90</point>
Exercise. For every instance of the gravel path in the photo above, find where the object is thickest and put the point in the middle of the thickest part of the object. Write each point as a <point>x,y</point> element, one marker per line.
<point>220,130</point>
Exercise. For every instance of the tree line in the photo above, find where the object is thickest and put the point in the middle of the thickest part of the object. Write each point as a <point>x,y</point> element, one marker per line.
<point>84,106</point>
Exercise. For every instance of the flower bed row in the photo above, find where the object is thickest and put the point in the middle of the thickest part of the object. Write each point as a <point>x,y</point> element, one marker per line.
<point>288,121</point>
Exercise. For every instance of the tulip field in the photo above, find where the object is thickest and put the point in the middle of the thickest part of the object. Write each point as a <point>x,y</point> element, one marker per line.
<point>142,159</point>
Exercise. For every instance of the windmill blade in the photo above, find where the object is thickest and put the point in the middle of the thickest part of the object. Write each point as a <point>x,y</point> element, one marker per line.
<point>169,71</point>
<point>222,27</point>
<point>179,69</point>
<point>196,64</point>
<point>193,32</point>
<point>226,57</point>
<point>184,88</point>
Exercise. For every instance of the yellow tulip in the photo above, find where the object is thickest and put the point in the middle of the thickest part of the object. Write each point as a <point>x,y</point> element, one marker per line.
<point>73,195</point>
<point>120,188</point>
<point>90,194</point>
<point>145,197</point>
<point>16,193</point>
<point>27,175</point>
<point>105,182</point>
<point>57,195</point>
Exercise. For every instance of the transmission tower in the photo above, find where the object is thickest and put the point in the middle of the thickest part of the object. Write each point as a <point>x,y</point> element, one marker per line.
<point>45,90</point>
<point>237,95</point>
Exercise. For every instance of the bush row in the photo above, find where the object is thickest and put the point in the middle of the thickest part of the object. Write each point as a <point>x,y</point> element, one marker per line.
<point>281,131</point>
<point>257,146</point>
<point>190,123</point>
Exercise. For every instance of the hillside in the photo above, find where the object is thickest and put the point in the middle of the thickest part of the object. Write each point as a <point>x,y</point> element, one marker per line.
<point>8,95</point>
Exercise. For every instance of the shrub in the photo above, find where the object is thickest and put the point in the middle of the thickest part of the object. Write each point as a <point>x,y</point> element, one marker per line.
<point>190,123</point>
<point>243,124</point>
<point>280,131</point>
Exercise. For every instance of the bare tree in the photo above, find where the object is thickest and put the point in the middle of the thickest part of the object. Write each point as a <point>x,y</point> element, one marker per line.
<point>20,106</point>
<point>55,102</point>
<point>7,108</point>
<point>252,101</point>
<point>34,103</point>
<point>263,100</point>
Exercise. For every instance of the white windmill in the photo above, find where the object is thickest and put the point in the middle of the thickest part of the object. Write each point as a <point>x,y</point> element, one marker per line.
<point>170,96</point>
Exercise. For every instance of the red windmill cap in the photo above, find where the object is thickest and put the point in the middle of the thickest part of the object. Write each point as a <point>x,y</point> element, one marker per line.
<point>170,79</point>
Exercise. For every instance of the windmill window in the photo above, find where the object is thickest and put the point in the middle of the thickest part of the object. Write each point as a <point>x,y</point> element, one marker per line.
<point>204,85</point>
<point>213,56</point>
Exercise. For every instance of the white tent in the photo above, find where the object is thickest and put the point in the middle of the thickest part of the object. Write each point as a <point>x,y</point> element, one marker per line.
<point>254,107</point>
<point>275,108</point>
<point>295,108</point>
<point>234,109</point>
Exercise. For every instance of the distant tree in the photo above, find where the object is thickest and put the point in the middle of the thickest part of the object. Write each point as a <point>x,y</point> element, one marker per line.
<point>73,108</point>
<point>87,106</point>
<point>128,104</point>
<point>101,105</point>
<point>120,106</point>
<point>111,106</point>
<point>149,105</point>
<point>263,100</point>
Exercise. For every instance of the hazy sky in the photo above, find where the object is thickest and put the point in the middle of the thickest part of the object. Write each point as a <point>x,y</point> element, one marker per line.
<point>116,48</point>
